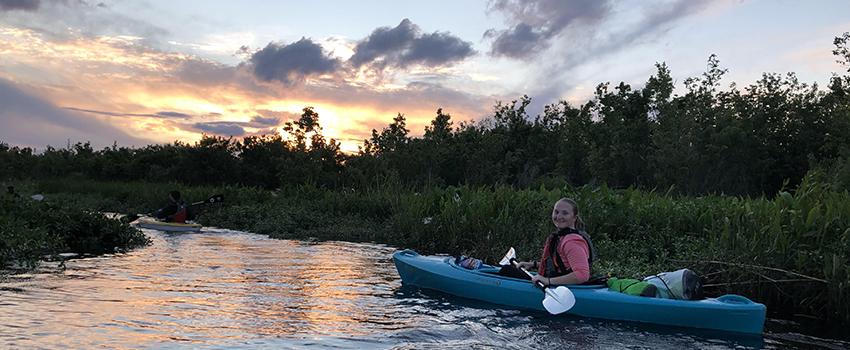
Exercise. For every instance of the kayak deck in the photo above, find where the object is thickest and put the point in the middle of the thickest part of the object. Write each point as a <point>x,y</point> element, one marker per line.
<point>731,313</point>
<point>167,226</point>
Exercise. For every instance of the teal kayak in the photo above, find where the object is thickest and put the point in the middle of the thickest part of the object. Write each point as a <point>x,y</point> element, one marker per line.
<point>731,313</point>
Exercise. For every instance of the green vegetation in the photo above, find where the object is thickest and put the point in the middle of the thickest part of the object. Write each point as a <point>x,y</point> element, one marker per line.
<point>31,229</point>
<point>790,251</point>
<point>739,141</point>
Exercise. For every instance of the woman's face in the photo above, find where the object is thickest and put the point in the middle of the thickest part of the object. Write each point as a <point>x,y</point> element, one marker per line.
<point>562,215</point>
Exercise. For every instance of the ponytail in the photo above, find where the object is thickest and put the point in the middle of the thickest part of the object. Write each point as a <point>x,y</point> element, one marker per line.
<point>579,222</point>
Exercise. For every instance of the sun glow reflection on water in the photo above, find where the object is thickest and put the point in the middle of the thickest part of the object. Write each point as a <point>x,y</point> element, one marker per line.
<point>231,289</point>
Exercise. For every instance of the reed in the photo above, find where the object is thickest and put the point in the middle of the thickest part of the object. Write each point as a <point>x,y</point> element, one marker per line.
<point>30,230</point>
<point>789,251</point>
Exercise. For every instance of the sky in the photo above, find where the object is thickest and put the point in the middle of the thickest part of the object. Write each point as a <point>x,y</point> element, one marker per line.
<point>145,72</point>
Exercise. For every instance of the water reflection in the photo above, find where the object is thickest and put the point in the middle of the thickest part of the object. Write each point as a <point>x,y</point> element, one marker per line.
<point>230,289</point>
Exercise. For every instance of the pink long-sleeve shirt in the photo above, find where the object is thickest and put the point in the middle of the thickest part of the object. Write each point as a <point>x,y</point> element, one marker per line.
<point>574,251</point>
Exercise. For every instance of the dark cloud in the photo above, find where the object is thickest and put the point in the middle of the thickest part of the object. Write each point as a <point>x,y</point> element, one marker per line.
<point>265,121</point>
<point>585,39</point>
<point>292,63</point>
<point>112,114</point>
<point>584,23</point>
<point>384,41</point>
<point>536,22</point>
<point>436,49</point>
<point>220,128</point>
<point>23,5</point>
<point>518,42</point>
<point>404,45</point>
<point>163,114</point>
<point>173,115</point>
<point>30,121</point>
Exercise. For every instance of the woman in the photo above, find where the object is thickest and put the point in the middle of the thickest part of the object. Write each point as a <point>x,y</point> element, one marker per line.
<point>568,252</point>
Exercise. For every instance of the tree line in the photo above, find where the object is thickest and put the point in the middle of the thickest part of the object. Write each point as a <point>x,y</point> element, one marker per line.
<point>749,140</point>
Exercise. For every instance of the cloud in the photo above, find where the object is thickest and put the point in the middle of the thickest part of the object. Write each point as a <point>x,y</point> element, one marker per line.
<point>163,114</point>
<point>436,49</point>
<point>265,121</point>
<point>23,5</point>
<point>535,23</point>
<point>72,19</point>
<point>173,115</point>
<point>404,46</point>
<point>521,41</point>
<point>292,63</point>
<point>205,72</point>
<point>383,42</point>
<point>111,114</point>
<point>562,36</point>
<point>162,95</point>
<point>30,121</point>
<point>220,128</point>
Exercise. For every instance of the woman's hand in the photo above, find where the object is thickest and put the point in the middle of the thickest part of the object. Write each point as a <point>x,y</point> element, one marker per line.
<point>526,265</point>
<point>544,280</point>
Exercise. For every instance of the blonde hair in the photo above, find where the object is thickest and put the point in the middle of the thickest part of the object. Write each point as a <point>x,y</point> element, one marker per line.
<point>579,222</point>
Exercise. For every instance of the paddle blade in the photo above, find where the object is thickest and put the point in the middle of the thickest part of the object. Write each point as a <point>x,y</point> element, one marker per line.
<point>508,257</point>
<point>216,199</point>
<point>558,300</point>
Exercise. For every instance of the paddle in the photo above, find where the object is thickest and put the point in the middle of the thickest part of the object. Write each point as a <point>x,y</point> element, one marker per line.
<point>216,198</point>
<point>556,300</point>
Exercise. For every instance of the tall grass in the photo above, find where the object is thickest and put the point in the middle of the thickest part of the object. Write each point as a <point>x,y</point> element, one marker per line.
<point>30,230</point>
<point>790,251</point>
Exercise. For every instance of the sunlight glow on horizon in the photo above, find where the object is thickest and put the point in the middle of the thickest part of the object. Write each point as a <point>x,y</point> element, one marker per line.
<point>149,72</point>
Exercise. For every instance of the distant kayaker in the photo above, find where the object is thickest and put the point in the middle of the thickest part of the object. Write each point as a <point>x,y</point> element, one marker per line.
<point>176,211</point>
<point>567,253</point>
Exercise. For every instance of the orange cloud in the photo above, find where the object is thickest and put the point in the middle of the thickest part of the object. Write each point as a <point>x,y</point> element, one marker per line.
<point>138,88</point>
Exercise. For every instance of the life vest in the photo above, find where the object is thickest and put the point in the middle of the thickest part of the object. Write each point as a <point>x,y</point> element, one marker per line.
<point>553,265</point>
<point>181,215</point>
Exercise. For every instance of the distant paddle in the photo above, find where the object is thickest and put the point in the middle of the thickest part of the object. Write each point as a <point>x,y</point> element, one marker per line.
<point>556,300</point>
<point>216,198</point>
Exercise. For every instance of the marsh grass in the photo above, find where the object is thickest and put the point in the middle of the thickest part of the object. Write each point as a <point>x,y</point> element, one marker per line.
<point>30,230</point>
<point>790,251</point>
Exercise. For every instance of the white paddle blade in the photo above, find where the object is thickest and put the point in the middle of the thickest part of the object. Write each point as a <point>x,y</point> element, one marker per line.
<point>558,300</point>
<point>507,259</point>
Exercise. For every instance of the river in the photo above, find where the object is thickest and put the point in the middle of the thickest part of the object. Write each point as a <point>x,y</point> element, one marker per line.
<point>231,289</point>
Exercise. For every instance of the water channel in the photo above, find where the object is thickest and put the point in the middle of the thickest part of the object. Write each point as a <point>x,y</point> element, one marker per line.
<point>230,289</point>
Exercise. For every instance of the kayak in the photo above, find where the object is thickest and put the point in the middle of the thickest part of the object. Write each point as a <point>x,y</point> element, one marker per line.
<point>731,313</point>
<point>167,226</point>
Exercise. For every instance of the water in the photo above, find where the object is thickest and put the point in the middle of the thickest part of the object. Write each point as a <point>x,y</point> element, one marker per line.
<point>229,289</point>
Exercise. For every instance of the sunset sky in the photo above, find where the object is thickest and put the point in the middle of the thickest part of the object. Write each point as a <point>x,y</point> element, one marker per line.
<point>142,72</point>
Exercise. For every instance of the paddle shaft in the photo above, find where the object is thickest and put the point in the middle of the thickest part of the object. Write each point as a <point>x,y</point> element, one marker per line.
<point>538,284</point>
<point>560,294</point>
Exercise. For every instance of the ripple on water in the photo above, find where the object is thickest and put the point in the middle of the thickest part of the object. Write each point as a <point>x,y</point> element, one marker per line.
<point>223,288</point>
